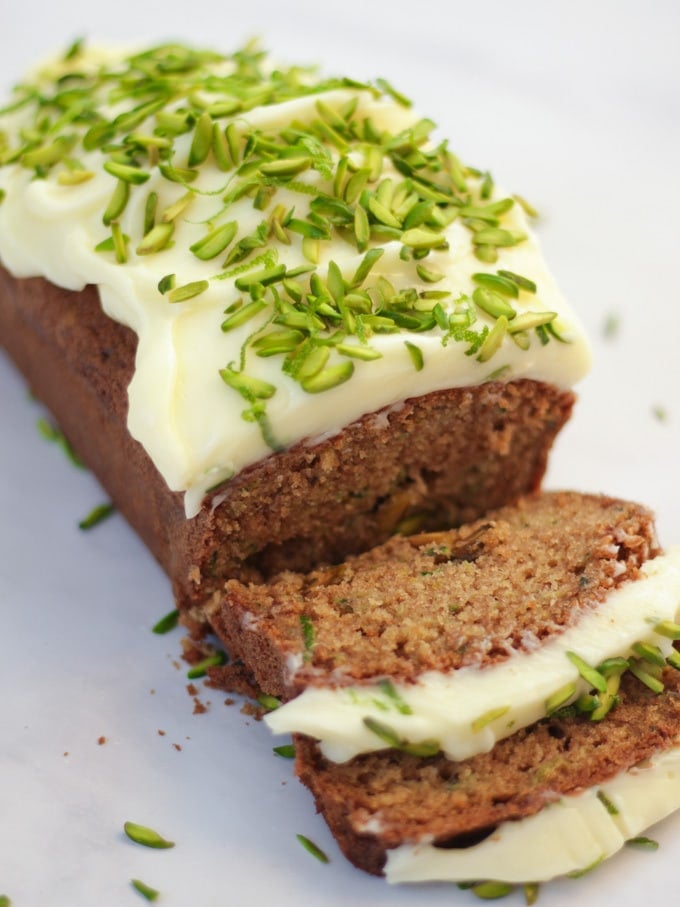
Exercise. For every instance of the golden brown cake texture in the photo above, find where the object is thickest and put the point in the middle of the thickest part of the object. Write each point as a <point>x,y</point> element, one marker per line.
<point>436,460</point>
<point>379,801</point>
<point>438,601</point>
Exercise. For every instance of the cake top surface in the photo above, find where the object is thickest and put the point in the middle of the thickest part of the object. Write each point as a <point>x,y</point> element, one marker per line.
<point>292,252</point>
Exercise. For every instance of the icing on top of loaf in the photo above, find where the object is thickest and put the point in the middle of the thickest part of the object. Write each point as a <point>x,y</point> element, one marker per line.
<point>292,252</point>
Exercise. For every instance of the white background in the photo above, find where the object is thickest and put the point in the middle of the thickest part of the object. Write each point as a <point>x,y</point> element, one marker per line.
<point>576,106</point>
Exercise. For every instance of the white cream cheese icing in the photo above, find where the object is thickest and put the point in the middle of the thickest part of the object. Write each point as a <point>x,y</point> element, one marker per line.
<point>449,708</point>
<point>567,836</point>
<point>179,407</point>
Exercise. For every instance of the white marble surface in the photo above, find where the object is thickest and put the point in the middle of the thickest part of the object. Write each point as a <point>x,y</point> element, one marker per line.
<point>574,105</point>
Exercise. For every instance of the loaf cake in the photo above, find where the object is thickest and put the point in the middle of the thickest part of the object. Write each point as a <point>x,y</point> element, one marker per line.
<point>497,702</point>
<point>298,341</point>
<point>277,319</point>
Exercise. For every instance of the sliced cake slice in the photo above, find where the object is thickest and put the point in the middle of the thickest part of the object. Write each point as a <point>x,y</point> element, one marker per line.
<point>455,640</point>
<point>551,800</point>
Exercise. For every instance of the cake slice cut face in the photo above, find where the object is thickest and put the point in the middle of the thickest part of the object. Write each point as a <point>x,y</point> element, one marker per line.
<point>451,641</point>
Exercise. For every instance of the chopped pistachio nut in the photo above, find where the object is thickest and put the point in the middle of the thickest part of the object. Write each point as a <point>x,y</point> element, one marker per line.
<point>147,837</point>
<point>313,848</point>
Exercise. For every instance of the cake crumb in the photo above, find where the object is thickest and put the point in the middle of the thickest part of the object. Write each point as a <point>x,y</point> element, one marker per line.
<point>178,747</point>
<point>101,740</point>
<point>161,733</point>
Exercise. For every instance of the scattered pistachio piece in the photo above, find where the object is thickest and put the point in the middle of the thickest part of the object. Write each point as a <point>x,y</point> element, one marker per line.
<point>147,837</point>
<point>167,623</point>
<point>313,848</point>
<point>145,890</point>
<point>97,515</point>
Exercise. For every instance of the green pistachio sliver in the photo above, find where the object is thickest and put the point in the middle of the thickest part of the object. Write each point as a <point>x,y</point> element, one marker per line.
<point>643,842</point>
<point>146,891</point>
<point>313,363</point>
<point>674,660</point>
<point>362,228</point>
<point>356,185</point>
<point>117,202</point>
<point>187,291</point>
<point>166,283</point>
<point>74,177</point>
<point>313,848</point>
<point>497,283</point>
<point>522,282</point>
<point>214,242</point>
<point>491,891</point>
<point>201,668</point>
<point>559,698</point>
<point>285,751</point>
<point>173,211</point>
<point>528,208</point>
<point>364,353</point>
<point>608,804</point>
<point>286,166</point>
<point>421,238</point>
<point>496,236</point>
<point>650,653</point>
<point>250,388</point>
<point>308,636</point>
<point>492,303</point>
<point>277,342</point>
<point>423,750</point>
<point>328,378</point>
<point>310,249</point>
<point>668,628</point>
<point>156,239</point>
<point>5,901</point>
<point>611,667</point>
<point>268,702</point>
<point>416,355</point>
<point>487,253</point>
<point>529,320</point>
<point>427,275</point>
<point>150,207</point>
<point>384,732</point>
<point>388,689</point>
<point>608,699</point>
<point>263,277</point>
<point>147,837</point>
<point>119,243</point>
<point>201,141</point>
<point>178,174</point>
<point>244,314</point>
<point>590,674</point>
<point>96,516</point>
<point>493,340</point>
<point>166,623</point>
<point>488,717</point>
<point>382,213</point>
<point>127,173</point>
<point>637,669</point>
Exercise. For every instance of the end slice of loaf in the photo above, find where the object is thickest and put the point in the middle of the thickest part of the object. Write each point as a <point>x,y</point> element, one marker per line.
<point>437,601</point>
